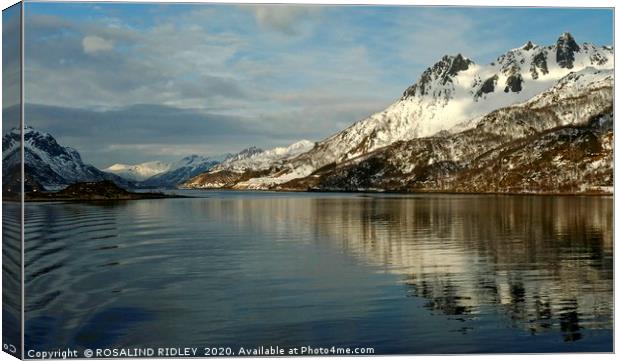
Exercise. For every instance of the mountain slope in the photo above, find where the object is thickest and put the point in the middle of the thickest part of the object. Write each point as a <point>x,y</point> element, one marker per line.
<point>48,164</point>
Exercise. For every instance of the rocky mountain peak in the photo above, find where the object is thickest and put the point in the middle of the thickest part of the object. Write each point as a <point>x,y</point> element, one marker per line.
<point>529,46</point>
<point>567,38</point>
<point>45,142</point>
<point>566,47</point>
<point>457,63</point>
<point>442,71</point>
<point>250,151</point>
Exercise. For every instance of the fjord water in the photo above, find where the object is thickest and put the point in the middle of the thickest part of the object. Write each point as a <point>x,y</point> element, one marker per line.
<point>402,274</point>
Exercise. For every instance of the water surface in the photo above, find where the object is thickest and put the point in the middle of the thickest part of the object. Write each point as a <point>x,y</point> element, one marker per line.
<point>402,274</point>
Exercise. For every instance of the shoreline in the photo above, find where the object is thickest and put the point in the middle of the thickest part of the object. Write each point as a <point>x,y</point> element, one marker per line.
<point>144,196</point>
<point>562,194</point>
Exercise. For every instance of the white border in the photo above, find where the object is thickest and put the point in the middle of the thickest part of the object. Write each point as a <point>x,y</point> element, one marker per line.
<point>508,3</point>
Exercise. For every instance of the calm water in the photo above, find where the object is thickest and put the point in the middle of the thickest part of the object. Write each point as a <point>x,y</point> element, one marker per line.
<point>416,274</point>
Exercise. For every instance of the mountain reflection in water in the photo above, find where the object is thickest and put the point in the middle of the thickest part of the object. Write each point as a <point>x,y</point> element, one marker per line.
<point>545,261</point>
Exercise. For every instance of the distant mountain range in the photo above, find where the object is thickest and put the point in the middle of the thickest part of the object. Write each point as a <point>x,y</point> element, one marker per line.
<point>52,166</point>
<point>538,119</point>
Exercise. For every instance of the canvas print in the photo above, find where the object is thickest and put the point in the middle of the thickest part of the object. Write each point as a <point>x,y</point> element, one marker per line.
<point>195,180</point>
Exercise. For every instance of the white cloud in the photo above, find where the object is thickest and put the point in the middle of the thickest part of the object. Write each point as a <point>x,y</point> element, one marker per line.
<point>282,18</point>
<point>93,44</point>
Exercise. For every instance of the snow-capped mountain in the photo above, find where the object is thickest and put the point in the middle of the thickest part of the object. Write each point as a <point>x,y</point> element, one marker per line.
<point>139,172</point>
<point>48,164</point>
<point>452,97</point>
<point>180,171</point>
<point>559,141</point>
<point>455,90</point>
<point>249,161</point>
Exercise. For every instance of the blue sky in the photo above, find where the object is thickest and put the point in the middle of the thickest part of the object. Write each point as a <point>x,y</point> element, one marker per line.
<point>137,82</point>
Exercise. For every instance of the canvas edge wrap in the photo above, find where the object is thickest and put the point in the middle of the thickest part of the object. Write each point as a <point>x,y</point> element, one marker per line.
<point>13,335</point>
